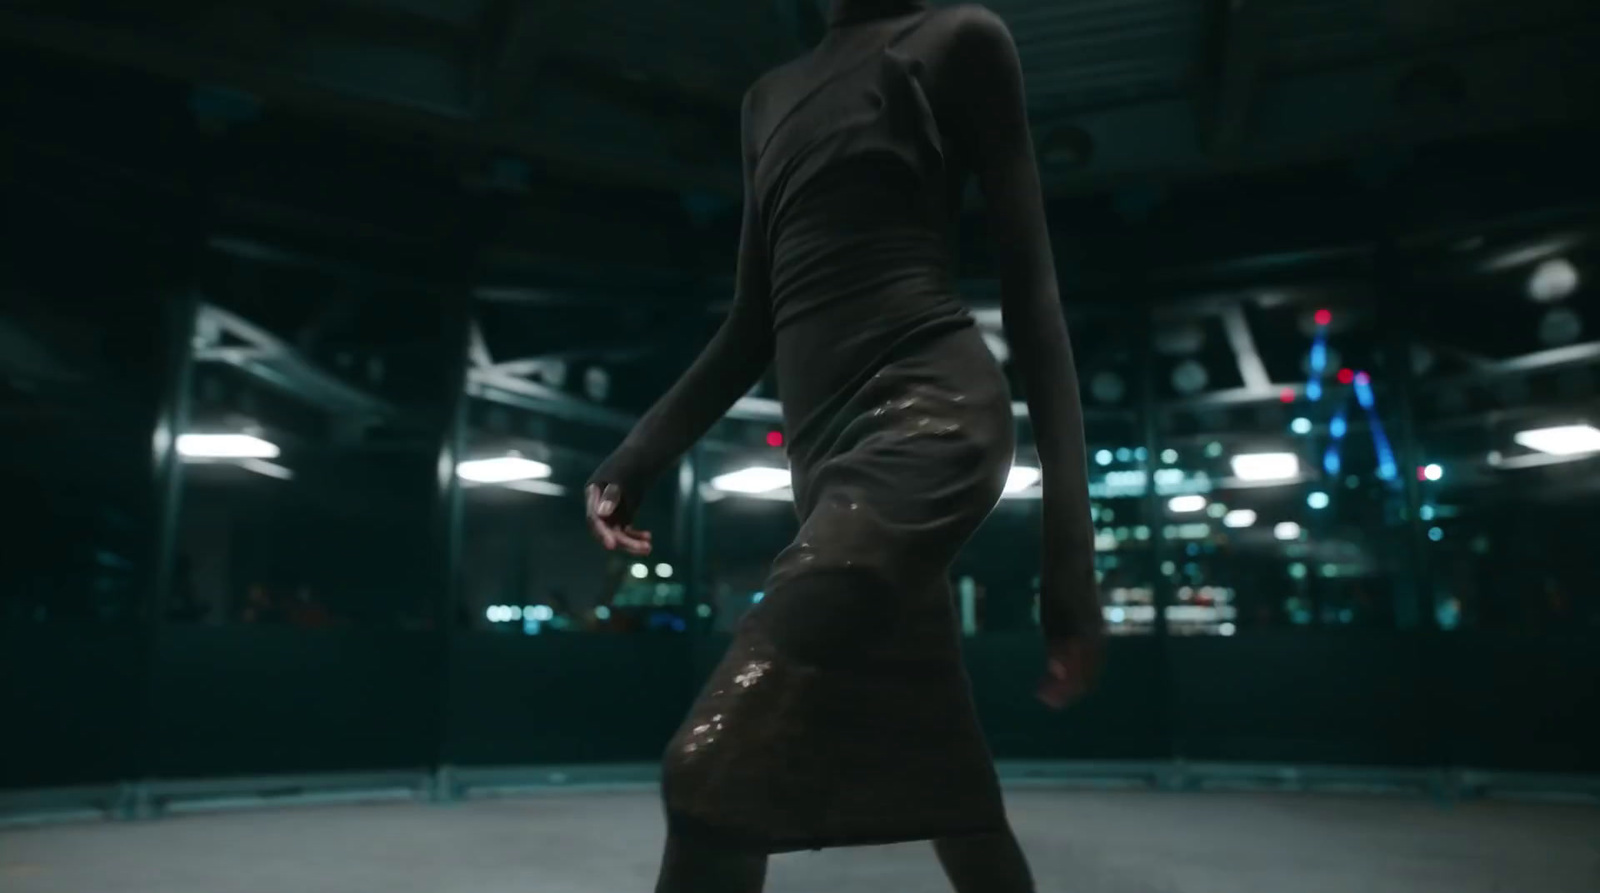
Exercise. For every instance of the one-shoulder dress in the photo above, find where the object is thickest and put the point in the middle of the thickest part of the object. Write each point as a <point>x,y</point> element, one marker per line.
<point>841,713</point>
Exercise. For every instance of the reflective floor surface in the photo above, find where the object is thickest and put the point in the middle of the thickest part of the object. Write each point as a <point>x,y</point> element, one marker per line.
<point>1078,842</point>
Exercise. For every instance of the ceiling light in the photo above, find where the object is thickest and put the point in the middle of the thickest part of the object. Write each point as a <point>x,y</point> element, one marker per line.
<point>752,480</point>
<point>226,446</point>
<point>1266,466</point>
<point>1553,280</point>
<point>1021,478</point>
<point>1562,440</point>
<point>1239,518</point>
<point>501,469</point>
<point>1184,504</point>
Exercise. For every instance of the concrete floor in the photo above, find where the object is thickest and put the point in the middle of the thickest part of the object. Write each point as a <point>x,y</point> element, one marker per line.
<point>1078,842</point>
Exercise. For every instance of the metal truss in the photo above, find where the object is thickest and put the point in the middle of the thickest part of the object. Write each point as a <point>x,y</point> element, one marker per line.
<point>274,362</point>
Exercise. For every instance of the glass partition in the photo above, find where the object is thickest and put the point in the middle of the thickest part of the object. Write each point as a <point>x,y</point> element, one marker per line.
<point>540,418</point>
<point>1107,356</point>
<point>1277,483</point>
<point>83,357</point>
<point>309,491</point>
<point>1508,423</point>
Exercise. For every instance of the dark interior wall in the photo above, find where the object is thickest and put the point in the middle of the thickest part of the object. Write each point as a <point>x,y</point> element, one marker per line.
<point>109,196</point>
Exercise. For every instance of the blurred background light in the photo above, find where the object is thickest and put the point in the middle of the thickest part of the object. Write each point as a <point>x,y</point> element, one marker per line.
<point>1552,280</point>
<point>1239,518</point>
<point>1561,440</point>
<point>1020,478</point>
<point>1265,466</point>
<point>758,479</point>
<point>226,446</point>
<point>1186,504</point>
<point>502,469</point>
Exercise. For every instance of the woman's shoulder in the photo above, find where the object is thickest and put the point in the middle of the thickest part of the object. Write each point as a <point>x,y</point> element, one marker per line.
<point>973,29</point>
<point>756,96</point>
<point>969,33</point>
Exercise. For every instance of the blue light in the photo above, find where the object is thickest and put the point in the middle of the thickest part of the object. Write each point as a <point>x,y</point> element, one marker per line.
<point>1319,362</point>
<point>668,620</point>
<point>1317,499</point>
<point>1387,470</point>
<point>1338,426</point>
<point>1330,459</point>
<point>756,599</point>
<point>1364,391</point>
<point>1435,533</point>
<point>1301,425</point>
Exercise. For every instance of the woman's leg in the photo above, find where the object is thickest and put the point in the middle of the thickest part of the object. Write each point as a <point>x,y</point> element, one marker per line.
<point>990,863</point>
<point>692,866</point>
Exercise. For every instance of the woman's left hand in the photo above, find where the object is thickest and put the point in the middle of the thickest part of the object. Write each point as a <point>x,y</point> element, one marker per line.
<point>1071,668</point>
<point>609,523</point>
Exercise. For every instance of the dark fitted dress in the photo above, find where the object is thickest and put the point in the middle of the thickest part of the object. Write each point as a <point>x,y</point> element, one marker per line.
<point>841,713</point>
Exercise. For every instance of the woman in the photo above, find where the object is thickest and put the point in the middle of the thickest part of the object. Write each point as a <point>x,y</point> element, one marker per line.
<point>841,714</point>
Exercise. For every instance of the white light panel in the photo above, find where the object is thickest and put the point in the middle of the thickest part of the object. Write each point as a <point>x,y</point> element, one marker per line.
<point>226,446</point>
<point>1562,440</point>
<point>752,480</point>
<point>1021,478</point>
<point>501,469</point>
<point>1266,466</point>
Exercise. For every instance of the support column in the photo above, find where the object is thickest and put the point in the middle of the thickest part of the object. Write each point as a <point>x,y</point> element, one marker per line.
<point>449,509</point>
<point>1166,702</point>
<point>689,536</point>
<point>1150,438</point>
<point>171,419</point>
<point>1413,601</point>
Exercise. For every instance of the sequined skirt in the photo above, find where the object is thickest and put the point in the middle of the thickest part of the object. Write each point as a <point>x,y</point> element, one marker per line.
<point>841,713</point>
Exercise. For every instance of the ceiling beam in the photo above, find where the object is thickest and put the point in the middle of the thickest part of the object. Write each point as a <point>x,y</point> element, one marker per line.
<point>1581,354</point>
<point>173,58</point>
<point>273,361</point>
<point>1230,63</point>
<point>374,23</point>
<point>1252,371</point>
<point>516,35</point>
<point>493,385</point>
